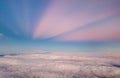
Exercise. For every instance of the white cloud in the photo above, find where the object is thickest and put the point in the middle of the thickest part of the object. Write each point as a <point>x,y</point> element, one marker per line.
<point>2,36</point>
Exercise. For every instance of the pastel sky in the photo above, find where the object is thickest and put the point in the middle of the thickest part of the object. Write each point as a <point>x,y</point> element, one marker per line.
<point>54,23</point>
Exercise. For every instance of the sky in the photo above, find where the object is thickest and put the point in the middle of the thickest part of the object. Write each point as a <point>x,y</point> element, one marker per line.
<point>59,25</point>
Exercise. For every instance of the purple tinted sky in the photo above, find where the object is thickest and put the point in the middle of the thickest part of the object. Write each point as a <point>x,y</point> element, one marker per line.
<point>55,23</point>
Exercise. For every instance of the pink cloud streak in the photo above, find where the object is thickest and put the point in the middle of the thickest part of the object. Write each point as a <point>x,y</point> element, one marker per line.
<point>66,15</point>
<point>106,31</point>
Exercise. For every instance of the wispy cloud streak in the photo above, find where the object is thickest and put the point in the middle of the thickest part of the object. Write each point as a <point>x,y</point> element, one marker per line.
<point>66,15</point>
<point>105,30</point>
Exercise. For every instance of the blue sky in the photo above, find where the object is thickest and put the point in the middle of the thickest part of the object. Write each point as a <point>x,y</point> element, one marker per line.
<point>59,25</point>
